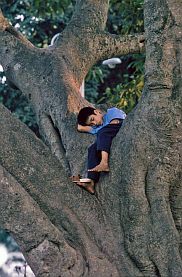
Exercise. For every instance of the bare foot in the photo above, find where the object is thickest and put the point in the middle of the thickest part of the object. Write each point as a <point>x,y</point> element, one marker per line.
<point>88,186</point>
<point>100,167</point>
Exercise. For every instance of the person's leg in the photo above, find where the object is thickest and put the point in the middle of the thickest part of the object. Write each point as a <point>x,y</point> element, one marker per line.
<point>93,177</point>
<point>98,156</point>
<point>103,165</point>
<point>104,140</point>
<point>89,185</point>
<point>94,158</point>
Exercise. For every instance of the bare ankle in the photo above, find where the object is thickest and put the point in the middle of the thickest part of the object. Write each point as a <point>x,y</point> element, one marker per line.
<point>104,163</point>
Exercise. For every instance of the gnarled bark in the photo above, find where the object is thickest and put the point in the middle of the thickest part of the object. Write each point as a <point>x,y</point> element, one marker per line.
<point>132,226</point>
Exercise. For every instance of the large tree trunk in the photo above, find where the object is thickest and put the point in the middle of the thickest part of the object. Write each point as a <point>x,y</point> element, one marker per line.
<point>132,226</point>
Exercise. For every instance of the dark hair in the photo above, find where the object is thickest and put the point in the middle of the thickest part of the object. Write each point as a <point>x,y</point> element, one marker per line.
<point>83,115</point>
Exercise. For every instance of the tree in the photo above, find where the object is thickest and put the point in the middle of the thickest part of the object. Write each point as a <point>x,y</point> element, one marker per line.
<point>132,226</point>
<point>39,22</point>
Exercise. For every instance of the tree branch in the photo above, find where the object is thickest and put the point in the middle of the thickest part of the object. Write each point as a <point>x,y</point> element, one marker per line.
<point>33,231</point>
<point>7,27</point>
<point>89,14</point>
<point>111,45</point>
<point>13,46</point>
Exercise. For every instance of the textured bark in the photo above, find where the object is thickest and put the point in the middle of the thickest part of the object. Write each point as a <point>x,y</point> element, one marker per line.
<point>55,74</point>
<point>132,226</point>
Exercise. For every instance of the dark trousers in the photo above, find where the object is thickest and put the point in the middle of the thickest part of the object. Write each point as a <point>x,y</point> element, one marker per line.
<point>102,143</point>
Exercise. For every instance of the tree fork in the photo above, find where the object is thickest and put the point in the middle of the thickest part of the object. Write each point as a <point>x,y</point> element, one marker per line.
<point>64,65</point>
<point>141,236</point>
<point>60,199</point>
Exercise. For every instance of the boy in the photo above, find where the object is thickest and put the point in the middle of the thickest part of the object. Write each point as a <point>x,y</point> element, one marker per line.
<point>105,126</point>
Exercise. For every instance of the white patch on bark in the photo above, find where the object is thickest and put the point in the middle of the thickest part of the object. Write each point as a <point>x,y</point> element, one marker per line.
<point>17,66</point>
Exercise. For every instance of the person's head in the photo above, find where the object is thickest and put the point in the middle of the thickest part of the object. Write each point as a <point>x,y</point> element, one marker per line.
<point>89,116</point>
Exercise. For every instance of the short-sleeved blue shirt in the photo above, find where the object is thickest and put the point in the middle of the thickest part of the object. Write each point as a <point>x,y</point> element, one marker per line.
<point>112,113</point>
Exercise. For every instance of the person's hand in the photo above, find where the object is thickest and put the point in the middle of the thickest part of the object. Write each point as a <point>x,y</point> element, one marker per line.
<point>79,127</point>
<point>82,128</point>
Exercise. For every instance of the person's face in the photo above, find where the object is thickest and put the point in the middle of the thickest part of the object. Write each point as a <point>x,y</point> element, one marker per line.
<point>95,119</point>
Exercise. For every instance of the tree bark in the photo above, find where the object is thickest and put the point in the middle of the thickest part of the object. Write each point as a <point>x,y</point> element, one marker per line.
<point>132,226</point>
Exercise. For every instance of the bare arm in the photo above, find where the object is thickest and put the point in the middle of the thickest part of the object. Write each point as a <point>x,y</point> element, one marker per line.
<point>81,128</point>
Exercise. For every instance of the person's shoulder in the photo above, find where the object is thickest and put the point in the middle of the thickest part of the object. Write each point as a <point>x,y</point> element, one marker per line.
<point>114,112</point>
<point>113,109</point>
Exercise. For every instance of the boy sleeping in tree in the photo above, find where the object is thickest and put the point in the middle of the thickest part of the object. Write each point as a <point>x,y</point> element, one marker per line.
<point>105,126</point>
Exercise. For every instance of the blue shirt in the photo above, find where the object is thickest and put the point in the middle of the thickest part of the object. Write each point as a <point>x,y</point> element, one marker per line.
<point>112,113</point>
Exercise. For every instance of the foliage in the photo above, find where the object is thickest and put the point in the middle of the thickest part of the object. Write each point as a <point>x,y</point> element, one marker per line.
<point>38,20</point>
<point>125,94</point>
<point>18,104</point>
<point>125,17</point>
<point>6,239</point>
<point>122,86</point>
